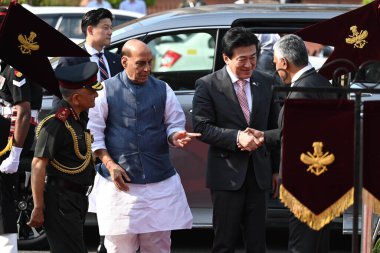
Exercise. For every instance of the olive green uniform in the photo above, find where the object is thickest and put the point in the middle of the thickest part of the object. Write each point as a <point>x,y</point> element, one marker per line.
<point>65,141</point>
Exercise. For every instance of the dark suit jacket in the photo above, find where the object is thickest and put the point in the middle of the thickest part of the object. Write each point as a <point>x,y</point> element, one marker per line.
<point>114,62</point>
<point>217,115</point>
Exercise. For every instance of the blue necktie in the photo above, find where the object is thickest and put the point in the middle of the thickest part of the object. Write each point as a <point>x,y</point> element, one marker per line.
<point>102,68</point>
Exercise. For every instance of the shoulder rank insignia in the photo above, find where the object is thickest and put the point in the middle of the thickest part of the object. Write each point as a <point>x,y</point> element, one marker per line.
<point>63,113</point>
<point>318,160</point>
<point>357,38</point>
<point>17,73</point>
<point>28,44</point>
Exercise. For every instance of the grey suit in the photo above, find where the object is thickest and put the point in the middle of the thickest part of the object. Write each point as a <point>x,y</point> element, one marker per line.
<point>301,237</point>
<point>239,180</point>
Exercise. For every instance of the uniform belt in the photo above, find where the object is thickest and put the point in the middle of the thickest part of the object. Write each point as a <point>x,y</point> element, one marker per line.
<point>6,111</point>
<point>68,185</point>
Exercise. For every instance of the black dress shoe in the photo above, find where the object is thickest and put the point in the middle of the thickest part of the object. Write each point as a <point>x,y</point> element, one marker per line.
<point>101,248</point>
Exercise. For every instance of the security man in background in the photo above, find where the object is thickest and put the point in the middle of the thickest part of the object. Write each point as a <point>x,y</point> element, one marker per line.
<point>63,168</point>
<point>20,101</point>
<point>97,27</point>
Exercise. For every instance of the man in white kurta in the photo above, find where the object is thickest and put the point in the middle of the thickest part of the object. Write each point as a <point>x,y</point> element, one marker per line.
<point>138,194</point>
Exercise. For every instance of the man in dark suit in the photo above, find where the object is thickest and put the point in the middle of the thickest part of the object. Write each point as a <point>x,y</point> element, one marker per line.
<point>291,60</point>
<point>97,27</point>
<point>241,169</point>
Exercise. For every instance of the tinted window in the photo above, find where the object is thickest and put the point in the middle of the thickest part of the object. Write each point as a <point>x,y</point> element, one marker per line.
<point>120,19</point>
<point>181,58</point>
<point>318,53</point>
<point>71,27</point>
<point>50,19</point>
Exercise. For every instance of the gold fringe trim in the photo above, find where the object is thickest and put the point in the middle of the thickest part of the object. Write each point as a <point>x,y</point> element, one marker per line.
<point>8,147</point>
<point>305,215</point>
<point>367,196</point>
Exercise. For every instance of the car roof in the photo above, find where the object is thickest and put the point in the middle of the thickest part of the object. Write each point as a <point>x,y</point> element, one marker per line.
<point>75,10</point>
<point>226,15</point>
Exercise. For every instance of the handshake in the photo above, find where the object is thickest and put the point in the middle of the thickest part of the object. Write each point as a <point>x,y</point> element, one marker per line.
<point>250,139</point>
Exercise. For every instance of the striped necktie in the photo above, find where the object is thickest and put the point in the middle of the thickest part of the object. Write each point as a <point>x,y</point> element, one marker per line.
<point>102,68</point>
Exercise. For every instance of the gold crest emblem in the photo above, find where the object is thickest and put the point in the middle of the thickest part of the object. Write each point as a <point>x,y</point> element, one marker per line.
<point>357,38</point>
<point>28,44</point>
<point>318,160</point>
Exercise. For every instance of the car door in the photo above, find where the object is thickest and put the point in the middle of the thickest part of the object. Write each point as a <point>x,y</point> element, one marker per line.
<point>180,58</point>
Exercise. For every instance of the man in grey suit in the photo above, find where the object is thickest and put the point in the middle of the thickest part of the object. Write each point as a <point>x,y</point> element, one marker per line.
<point>292,65</point>
<point>241,169</point>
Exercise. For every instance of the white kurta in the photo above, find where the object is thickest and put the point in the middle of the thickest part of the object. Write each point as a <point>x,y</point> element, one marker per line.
<point>144,208</point>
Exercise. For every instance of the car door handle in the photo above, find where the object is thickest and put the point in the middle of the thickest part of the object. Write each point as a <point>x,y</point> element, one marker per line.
<point>352,95</point>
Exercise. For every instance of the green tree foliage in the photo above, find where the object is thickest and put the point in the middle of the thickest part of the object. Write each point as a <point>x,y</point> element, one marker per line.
<point>150,2</point>
<point>115,3</point>
<point>46,2</point>
<point>376,247</point>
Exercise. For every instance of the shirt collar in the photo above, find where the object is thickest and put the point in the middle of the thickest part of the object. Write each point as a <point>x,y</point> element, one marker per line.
<point>233,77</point>
<point>91,50</point>
<point>300,72</point>
<point>83,116</point>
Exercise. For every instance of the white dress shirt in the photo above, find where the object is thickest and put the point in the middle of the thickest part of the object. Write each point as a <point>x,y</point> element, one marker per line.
<point>247,87</point>
<point>94,58</point>
<point>299,73</point>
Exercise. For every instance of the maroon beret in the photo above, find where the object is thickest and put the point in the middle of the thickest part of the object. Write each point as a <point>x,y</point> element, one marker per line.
<point>79,76</point>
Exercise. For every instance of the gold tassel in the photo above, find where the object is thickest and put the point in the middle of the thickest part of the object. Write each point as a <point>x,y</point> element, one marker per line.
<point>8,147</point>
<point>367,196</point>
<point>314,221</point>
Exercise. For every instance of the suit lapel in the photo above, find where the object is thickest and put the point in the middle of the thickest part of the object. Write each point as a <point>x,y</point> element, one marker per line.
<point>111,62</point>
<point>227,88</point>
<point>255,93</point>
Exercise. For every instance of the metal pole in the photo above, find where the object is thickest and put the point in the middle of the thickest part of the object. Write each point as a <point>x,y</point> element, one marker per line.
<point>375,233</point>
<point>357,172</point>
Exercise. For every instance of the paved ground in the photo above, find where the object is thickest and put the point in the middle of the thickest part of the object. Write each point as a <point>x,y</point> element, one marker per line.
<point>200,241</point>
